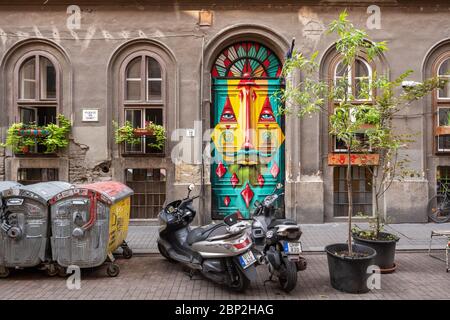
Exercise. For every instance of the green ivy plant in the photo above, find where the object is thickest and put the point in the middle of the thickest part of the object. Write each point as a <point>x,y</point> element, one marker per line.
<point>160,135</point>
<point>56,136</point>
<point>126,133</point>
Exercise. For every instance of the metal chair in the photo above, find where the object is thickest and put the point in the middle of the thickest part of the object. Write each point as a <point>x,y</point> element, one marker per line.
<point>445,234</point>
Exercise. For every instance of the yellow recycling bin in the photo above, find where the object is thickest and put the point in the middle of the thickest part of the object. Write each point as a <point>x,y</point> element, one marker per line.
<point>89,222</point>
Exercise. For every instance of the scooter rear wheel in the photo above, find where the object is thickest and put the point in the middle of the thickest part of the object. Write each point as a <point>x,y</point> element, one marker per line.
<point>164,253</point>
<point>288,277</point>
<point>241,283</point>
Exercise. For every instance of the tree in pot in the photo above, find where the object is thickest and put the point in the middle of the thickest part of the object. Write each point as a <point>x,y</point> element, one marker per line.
<point>393,164</point>
<point>353,116</point>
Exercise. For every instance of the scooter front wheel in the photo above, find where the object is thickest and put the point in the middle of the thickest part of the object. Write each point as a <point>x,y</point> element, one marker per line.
<point>288,277</point>
<point>164,253</point>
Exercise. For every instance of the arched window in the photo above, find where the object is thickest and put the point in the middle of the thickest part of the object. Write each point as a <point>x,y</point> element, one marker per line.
<point>441,104</point>
<point>355,80</point>
<point>143,97</point>
<point>38,91</point>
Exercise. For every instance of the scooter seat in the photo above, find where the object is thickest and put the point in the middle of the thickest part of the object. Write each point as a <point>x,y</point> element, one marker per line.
<point>277,222</point>
<point>202,233</point>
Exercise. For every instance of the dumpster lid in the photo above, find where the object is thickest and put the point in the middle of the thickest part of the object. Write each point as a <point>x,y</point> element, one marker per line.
<point>42,191</point>
<point>106,191</point>
<point>9,184</point>
<point>113,190</point>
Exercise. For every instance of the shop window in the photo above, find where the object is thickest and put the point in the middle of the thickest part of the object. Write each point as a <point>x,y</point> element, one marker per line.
<point>34,175</point>
<point>362,191</point>
<point>143,99</point>
<point>149,186</point>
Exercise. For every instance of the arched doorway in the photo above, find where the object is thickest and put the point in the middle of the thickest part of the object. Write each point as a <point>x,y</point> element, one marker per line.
<point>248,130</point>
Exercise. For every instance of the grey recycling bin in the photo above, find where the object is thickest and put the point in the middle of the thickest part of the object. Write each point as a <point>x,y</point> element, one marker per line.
<point>25,234</point>
<point>89,222</point>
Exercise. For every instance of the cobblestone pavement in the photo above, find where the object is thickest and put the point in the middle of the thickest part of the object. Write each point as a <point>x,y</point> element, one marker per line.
<point>151,277</point>
<point>413,236</point>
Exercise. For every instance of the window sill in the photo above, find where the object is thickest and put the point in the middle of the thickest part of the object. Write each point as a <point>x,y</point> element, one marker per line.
<point>36,155</point>
<point>146,155</point>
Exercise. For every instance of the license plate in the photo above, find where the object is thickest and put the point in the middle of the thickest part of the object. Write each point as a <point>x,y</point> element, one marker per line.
<point>293,247</point>
<point>247,259</point>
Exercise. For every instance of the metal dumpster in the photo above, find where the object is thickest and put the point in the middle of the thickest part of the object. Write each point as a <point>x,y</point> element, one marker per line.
<point>24,236</point>
<point>89,222</point>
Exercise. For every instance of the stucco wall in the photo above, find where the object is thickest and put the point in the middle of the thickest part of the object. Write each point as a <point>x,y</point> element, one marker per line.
<point>411,30</point>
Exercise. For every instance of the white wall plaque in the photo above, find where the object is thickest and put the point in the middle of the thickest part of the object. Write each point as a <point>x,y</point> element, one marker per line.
<point>90,115</point>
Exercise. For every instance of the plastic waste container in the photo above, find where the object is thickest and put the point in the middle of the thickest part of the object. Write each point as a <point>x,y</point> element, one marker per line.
<point>24,236</point>
<point>89,222</point>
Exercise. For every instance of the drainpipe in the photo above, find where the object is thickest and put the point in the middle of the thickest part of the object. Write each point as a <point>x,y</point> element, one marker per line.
<point>202,169</point>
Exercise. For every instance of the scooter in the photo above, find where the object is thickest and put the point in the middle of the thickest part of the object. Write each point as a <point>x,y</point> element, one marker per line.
<point>220,252</point>
<point>278,240</point>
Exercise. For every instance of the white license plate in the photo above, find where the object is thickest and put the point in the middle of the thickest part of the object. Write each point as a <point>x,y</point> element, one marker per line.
<point>247,259</point>
<point>293,247</point>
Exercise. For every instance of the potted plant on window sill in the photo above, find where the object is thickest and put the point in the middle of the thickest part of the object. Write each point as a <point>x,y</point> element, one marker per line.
<point>128,134</point>
<point>21,137</point>
<point>348,262</point>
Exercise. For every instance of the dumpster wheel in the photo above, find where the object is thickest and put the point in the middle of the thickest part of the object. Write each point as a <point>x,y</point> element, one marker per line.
<point>113,270</point>
<point>4,272</point>
<point>52,270</point>
<point>127,252</point>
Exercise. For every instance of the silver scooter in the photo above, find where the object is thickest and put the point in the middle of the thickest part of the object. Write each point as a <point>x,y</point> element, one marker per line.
<point>221,252</point>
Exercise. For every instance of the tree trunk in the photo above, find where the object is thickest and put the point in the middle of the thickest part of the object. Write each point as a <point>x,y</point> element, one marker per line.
<point>350,201</point>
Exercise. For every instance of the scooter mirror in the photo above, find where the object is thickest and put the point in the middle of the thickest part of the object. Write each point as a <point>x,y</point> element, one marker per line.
<point>279,186</point>
<point>191,187</point>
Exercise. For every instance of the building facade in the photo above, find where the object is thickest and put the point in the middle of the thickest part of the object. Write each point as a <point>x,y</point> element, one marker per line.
<point>208,74</point>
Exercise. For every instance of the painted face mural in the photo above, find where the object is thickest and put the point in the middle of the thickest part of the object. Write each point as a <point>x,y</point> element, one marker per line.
<point>248,131</point>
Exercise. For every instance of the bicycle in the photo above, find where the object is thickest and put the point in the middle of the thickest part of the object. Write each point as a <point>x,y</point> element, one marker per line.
<point>439,204</point>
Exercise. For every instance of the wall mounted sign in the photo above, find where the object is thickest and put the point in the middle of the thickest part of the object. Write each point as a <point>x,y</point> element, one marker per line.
<point>90,115</point>
<point>359,159</point>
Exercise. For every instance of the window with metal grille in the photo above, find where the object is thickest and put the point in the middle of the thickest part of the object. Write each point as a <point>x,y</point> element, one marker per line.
<point>34,175</point>
<point>362,191</point>
<point>442,177</point>
<point>149,186</point>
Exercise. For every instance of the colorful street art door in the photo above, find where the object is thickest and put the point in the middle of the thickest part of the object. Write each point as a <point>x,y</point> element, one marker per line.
<point>247,136</point>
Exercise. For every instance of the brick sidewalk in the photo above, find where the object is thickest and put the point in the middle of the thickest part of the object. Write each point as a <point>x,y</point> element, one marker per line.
<point>413,236</point>
<point>151,277</point>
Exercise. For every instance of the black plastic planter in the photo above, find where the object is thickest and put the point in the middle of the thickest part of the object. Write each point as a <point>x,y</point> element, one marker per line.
<point>349,274</point>
<point>385,251</point>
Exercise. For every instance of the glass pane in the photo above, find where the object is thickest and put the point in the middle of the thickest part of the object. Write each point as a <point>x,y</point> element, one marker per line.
<point>154,90</point>
<point>134,69</point>
<point>133,90</point>
<point>341,85</point>
<point>362,88</point>
<point>443,143</point>
<point>48,79</point>
<point>444,116</point>
<point>361,69</point>
<point>341,70</point>
<point>444,69</point>
<point>27,116</point>
<point>445,91</point>
<point>28,79</point>
<point>134,116</point>
<point>154,115</point>
<point>46,115</point>
<point>154,69</point>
